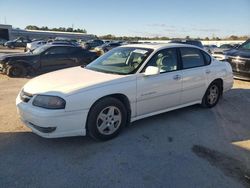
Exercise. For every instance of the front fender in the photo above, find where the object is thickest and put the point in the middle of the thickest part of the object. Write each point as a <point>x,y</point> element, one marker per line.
<point>84,100</point>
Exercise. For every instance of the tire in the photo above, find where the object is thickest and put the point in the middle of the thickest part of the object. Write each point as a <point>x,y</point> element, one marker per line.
<point>106,119</point>
<point>212,95</point>
<point>16,71</point>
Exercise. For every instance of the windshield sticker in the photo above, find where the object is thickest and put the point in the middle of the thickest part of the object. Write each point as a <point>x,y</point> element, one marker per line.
<point>139,51</point>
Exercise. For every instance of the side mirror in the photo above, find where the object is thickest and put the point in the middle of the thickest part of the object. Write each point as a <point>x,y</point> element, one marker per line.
<point>151,70</point>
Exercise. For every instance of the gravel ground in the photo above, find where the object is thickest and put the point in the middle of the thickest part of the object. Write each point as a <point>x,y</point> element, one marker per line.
<point>190,147</point>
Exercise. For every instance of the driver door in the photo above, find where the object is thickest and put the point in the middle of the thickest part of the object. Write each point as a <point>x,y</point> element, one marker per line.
<point>55,58</point>
<point>161,91</point>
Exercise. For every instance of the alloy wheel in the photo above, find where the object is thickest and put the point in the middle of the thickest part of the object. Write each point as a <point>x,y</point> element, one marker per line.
<point>213,94</point>
<point>109,120</point>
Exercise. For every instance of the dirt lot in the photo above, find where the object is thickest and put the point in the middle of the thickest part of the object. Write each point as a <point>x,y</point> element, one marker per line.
<point>5,50</point>
<point>190,147</point>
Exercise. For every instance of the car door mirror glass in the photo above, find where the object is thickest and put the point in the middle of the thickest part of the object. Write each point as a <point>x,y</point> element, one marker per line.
<point>151,70</point>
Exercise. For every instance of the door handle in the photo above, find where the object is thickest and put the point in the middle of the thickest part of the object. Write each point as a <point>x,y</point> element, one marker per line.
<point>208,71</point>
<point>177,77</point>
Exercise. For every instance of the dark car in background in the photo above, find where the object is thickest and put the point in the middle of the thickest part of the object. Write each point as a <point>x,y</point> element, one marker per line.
<point>188,41</point>
<point>239,58</point>
<point>19,42</point>
<point>44,59</point>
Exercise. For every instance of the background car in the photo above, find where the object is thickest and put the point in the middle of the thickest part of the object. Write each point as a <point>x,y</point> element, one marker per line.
<point>126,84</point>
<point>33,45</point>
<point>19,42</point>
<point>2,41</point>
<point>239,58</point>
<point>188,41</point>
<point>91,44</point>
<point>106,47</point>
<point>219,51</point>
<point>71,43</point>
<point>44,59</point>
<point>209,48</point>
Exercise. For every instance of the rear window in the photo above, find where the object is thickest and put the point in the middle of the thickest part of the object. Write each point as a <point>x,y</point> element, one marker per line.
<point>58,50</point>
<point>191,57</point>
<point>206,57</point>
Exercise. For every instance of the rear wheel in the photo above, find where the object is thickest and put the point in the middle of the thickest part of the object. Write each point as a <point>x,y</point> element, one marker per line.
<point>16,71</point>
<point>212,95</point>
<point>106,119</point>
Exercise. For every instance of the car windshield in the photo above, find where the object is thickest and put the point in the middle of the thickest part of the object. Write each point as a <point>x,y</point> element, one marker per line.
<point>245,46</point>
<point>40,49</point>
<point>123,60</point>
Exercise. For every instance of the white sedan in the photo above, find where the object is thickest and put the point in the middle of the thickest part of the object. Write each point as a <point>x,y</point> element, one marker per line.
<point>33,45</point>
<point>126,84</point>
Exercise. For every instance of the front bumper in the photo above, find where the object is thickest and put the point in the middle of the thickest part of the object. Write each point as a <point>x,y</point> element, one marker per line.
<point>242,75</point>
<point>1,68</point>
<point>52,123</point>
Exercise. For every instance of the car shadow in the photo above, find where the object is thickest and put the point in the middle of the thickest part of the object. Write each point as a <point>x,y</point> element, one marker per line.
<point>156,142</point>
<point>229,117</point>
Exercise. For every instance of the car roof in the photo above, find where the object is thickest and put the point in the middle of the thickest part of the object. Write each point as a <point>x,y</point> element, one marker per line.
<point>62,45</point>
<point>157,46</point>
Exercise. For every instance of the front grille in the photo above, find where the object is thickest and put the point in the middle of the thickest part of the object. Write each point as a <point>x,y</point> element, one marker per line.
<point>43,129</point>
<point>239,64</point>
<point>25,97</point>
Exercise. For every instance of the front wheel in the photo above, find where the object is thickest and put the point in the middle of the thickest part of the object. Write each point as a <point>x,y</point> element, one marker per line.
<point>106,119</point>
<point>16,71</point>
<point>212,95</point>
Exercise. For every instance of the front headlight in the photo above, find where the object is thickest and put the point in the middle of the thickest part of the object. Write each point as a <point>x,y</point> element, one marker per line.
<point>49,102</point>
<point>225,57</point>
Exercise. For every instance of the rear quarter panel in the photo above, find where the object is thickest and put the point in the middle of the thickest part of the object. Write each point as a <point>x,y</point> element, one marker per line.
<point>221,70</point>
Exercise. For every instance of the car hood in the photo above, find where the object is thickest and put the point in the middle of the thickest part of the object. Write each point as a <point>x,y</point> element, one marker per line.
<point>238,52</point>
<point>72,80</point>
<point>10,41</point>
<point>17,56</point>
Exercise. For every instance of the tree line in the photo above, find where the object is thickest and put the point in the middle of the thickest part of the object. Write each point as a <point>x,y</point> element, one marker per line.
<point>129,38</point>
<point>62,29</point>
<point>136,38</point>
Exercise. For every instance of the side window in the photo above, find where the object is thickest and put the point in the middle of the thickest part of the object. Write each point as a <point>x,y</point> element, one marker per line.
<point>75,50</point>
<point>207,58</point>
<point>57,51</point>
<point>191,57</point>
<point>165,60</point>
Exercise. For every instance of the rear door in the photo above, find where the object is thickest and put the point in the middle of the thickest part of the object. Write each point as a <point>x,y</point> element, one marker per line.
<point>194,75</point>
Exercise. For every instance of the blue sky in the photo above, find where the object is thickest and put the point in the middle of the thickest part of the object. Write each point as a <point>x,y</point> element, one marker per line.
<point>173,18</point>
